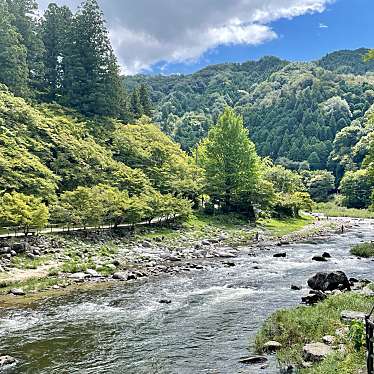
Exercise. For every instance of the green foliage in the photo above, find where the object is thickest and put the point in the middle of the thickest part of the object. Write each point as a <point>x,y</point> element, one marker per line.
<point>13,54</point>
<point>290,204</point>
<point>284,180</point>
<point>332,209</point>
<point>91,83</point>
<point>348,62</point>
<point>26,21</point>
<point>357,334</point>
<point>292,109</point>
<point>169,169</point>
<point>231,163</point>
<point>295,327</point>
<point>17,209</point>
<point>363,250</point>
<point>55,29</point>
<point>357,187</point>
<point>320,184</point>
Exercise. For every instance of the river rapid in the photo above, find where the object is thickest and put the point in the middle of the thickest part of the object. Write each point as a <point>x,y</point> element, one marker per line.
<point>209,325</point>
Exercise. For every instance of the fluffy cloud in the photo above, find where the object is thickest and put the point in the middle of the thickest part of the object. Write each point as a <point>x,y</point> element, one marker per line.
<point>144,32</point>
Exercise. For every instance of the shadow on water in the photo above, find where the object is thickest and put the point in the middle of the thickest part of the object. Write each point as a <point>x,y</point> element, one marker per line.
<point>210,323</point>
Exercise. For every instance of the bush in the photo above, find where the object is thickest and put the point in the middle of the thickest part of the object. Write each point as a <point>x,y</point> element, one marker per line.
<point>363,250</point>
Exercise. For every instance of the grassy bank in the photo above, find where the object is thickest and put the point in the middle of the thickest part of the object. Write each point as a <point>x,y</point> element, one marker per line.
<point>330,209</point>
<point>281,227</point>
<point>363,250</point>
<point>296,327</point>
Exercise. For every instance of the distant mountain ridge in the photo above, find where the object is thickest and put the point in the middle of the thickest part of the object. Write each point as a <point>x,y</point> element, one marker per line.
<point>293,110</point>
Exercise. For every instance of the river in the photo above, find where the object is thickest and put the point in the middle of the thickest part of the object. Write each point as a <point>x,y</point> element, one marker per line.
<point>210,323</point>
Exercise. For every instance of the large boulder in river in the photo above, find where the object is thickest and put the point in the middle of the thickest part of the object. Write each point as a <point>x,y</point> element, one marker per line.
<point>329,281</point>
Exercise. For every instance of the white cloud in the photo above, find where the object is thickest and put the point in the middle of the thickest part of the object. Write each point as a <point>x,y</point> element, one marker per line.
<point>145,32</point>
<point>323,26</point>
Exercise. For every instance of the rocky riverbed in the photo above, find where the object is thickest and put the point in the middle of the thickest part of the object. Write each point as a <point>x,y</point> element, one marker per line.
<point>190,321</point>
<point>104,256</point>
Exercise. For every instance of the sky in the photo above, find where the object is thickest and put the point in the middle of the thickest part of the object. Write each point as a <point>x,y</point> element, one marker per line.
<point>183,36</point>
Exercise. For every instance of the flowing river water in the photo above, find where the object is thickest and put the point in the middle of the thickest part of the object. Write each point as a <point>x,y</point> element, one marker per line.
<point>210,323</point>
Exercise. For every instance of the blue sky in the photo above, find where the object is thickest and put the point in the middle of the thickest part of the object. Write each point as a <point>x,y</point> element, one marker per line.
<point>182,36</point>
<point>345,24</point>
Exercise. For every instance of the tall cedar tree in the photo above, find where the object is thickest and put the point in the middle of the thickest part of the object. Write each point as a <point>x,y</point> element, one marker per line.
<point>26,22</point>
<point>92,82</point>
<point>230,161</point>
<point>55,28</point>
<point>13,64</point>
<point>136,104</point>
<point>144,100</point>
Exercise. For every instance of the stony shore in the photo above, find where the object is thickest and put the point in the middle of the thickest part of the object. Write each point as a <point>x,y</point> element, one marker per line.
<point>52,264</point>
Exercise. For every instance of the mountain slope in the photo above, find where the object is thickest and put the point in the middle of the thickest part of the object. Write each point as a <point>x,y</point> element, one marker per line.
<point>293,110</point>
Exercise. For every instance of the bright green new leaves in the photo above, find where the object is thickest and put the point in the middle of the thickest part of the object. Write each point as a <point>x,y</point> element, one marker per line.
<point>357,187</point>
<point>103,205</point>
<point>230,161</point>
<point>290,205</point>
<point>27,212</point>
<point>169,169</point>
<point>284,180</point>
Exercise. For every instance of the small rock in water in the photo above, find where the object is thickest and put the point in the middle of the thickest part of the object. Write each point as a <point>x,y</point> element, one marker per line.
<point>17,292</point>
<point>295,288</point>
<point>7,360</point>
<point>271,346</point>
<point>282,254</point>
<point>326,255</point>
<point>165,301</point>
<point>253,360</point>
<point>319,258</point>
<point>316,352</point>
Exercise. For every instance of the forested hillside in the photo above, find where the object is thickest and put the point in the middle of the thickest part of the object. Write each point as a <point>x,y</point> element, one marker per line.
<point>79,147</point>
<point>292,110</point>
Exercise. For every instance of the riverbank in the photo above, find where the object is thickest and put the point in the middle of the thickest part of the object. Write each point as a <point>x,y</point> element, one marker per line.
<point>57,263</point>
<point>339,340</point>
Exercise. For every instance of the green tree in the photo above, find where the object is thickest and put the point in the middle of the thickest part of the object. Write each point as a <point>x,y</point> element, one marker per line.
<point>284,180</point>
<point>26,21</point>
<point>92,83</point>
<point>290,205</point>
<point>145,100</point>
<point>13,55</point>
<point>356,188</point>
<point>314,161</point>
<point>320,183</point>
<point>25,211</point>
<point>55,30</point>
<point>230,161</point>
<point>136,104</point>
